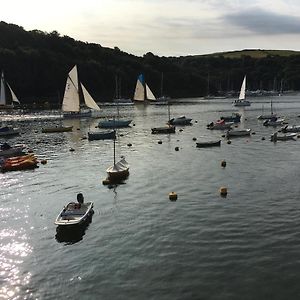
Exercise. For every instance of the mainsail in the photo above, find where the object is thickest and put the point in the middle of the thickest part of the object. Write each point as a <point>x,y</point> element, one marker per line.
<point>139,94</point>
<point>71,101</point>
<point>243,89</point>
<point>6,98</point>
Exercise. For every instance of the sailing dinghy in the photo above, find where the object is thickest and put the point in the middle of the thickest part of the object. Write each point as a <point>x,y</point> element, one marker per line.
<point>242,97</point>
<point>8,98</point>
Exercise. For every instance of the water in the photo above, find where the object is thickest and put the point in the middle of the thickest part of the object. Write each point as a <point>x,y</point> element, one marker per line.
<point>139,244</point>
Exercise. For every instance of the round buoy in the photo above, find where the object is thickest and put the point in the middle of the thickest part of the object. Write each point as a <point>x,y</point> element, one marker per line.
<point>298,136</point>
<point>43,161</point>
<point>263,138</point>
<point>129,144</point>
<point>72,149</point>
<point>223,163</point>
<point>223,191</point>
<point>196,121</point>
<point>133,124</point>
<point>229,142</point>
<point>78,128</point>
<point>173,196</point>
<point>159,142</point>
<point>253,132</point>
<point>176,148</point>
<point>121,134</point>
<point>106,181</point>
<point>223,135</point>
<point>194,139</point>
<point>180,130</point>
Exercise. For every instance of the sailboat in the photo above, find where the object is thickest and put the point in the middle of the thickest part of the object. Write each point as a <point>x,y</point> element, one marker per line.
<point>242,97</point>
<point>165,129</point>
<point>119,170</point>
<point>74,93</point>
<point>115,123</point>
<point>162,99</point>
<point>7,97</point>
<point>270,116</point>
<point>142,92</point>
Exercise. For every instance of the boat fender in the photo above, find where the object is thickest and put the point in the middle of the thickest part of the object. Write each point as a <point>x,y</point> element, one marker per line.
<point>223,191</point>
<point>229,142</point>
<point>223,163</point>
<point>159,142</point>
<point>173,196</point>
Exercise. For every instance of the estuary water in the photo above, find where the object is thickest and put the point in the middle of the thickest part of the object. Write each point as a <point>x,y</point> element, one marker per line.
<point>139,244</point>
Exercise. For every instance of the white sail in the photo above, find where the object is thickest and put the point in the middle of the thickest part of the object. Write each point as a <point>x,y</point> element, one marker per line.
<point>149,94</point>
<point>2,92</point>
<point>88,99</point>
<point>139,94</point>
<point>243,89</point>
<point>13,95</point>
<point>71,102</point>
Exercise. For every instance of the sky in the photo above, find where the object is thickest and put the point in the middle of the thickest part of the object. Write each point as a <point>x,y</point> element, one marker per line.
<point>165,27</point>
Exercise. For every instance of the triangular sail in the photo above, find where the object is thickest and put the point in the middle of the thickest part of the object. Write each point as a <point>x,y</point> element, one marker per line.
<point>2,92</point>
<point>89,101</point>
<point>149,94</point>
<point>139,94</point>
<point>243,90</point>
<point>13,95</point>
<point>71,102</point>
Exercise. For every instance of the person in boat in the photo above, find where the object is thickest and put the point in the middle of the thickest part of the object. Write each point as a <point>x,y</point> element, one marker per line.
<point>80,200</point>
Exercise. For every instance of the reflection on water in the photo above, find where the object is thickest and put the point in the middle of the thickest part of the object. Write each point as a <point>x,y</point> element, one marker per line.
<point>72,234</point>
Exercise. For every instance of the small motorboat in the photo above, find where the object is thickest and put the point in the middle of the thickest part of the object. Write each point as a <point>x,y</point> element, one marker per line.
<point>209,144</point>
<point>284,137</point>
<point>235,118</point>
<point>182,120</point>
<point>75,213</point>
<point>291,128</point>
<point>219,125</point>
<point>238,132</point>
<point>9,130</point>
<point>113,123</point>
<point>274,121</point>
<point>101,135</point>
<point>164,129</point>
<point>57,129</point>
<point>8,151</point>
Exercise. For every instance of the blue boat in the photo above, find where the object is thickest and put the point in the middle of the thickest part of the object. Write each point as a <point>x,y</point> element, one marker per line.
<point>102,135</point>
<point>112,123</point>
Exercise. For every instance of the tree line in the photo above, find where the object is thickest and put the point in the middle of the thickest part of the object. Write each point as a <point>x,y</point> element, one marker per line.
<point>36,65</point>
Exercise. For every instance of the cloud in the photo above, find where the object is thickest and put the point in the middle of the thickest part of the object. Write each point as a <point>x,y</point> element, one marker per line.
<point>264,22</point>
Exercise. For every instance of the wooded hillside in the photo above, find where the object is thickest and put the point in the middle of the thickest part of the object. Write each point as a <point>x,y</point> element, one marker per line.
<point>36,65</point>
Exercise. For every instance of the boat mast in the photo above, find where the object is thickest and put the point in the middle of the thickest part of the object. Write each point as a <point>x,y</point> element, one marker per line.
<point>161,84</point>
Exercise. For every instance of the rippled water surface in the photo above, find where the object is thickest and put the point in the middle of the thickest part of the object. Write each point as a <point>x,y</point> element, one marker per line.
<point>140,245</point>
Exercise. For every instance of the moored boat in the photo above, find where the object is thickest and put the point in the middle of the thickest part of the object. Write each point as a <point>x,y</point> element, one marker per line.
<point>242,97</point>
<point>219,125</point>
<point>8,151</point>
<point>238,132</point>
<point>182,120</point>
<point>235,118</point>
<point>18,163</point>
<point>101,135</point>
<point>284,137</point>
<point>57,129</point>
<point>9,130</point>
<point>75,213</point>
<point>290,128</point>
<point>118,171</point>
<point>113,123</point>
<point>163,129</point>
<point>206,144</point>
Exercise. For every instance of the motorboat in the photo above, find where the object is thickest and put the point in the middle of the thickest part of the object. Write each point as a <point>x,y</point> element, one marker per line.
<point>101,135</point>
<point>238,132</point>
<point>9,130</point>
<point>284,137</point>
<point>290,128</point>
<point>8,151</point>
<point>113,123</point>
<point>235,118</point>
<point>220,125</point>
<point>206,144</point>
<point>74,214</point>
<point>57,129</point>
<point>182,120</point>
<point>163,129</point>
<point>274,121</point>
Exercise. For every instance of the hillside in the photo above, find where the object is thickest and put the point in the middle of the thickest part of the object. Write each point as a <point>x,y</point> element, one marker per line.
<point>36,65</point>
